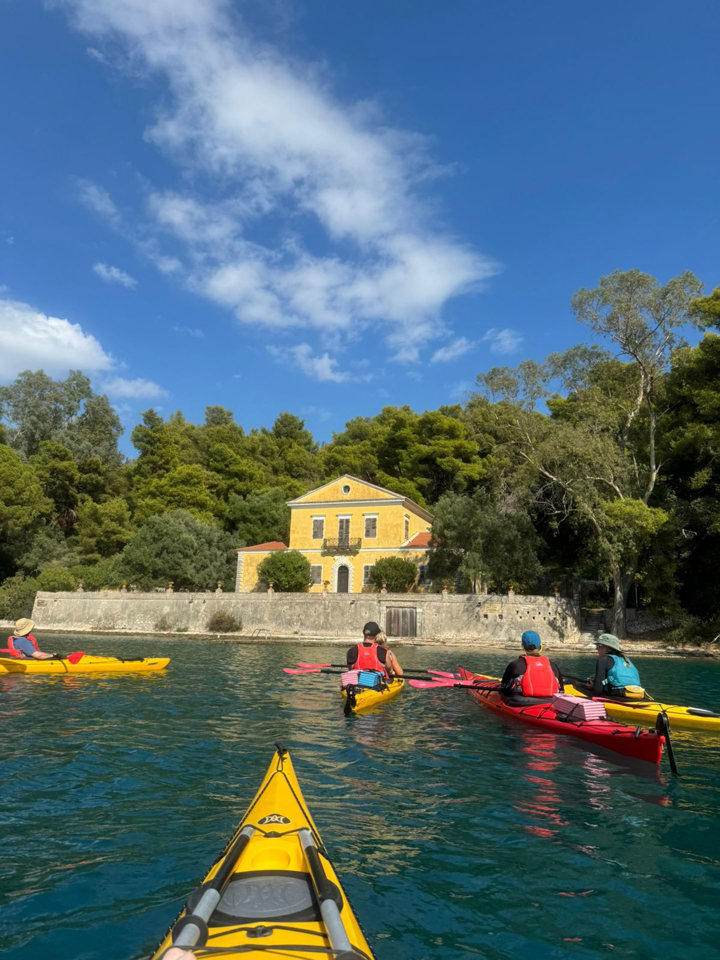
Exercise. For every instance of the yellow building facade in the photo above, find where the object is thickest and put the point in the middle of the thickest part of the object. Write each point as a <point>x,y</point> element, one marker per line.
<point>343,528</point>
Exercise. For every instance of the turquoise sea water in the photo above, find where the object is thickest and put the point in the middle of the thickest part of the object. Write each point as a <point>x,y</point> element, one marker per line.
<point>456,833</point>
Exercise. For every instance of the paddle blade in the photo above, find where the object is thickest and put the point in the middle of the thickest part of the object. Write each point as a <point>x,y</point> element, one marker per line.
<point>76,656</point>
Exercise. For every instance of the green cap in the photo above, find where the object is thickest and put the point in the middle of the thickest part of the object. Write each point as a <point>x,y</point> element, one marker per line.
<point>610,641</point>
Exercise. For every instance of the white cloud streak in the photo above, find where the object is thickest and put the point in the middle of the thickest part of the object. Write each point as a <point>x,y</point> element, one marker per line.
<point>31,340</point>
<point>502,341</point>
<point>322,368</point>
<point>97,199</point>
<point>114,275</point>
<point>137,389</point>
<point>452,351</point>
<point>279,156</point>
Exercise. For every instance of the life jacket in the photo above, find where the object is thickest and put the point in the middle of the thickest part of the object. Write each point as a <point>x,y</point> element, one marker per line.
<point>12,651</point>
<point>621,674</point>
<point>367,659</point>
<point>539,679</point>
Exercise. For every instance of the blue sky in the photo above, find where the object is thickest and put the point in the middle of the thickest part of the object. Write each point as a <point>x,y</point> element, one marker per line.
<point>326,207</point>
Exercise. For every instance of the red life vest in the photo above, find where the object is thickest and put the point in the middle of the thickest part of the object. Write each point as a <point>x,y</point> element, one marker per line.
<point>12,651</point>
<point>367,659</point>
<point>539,679</point>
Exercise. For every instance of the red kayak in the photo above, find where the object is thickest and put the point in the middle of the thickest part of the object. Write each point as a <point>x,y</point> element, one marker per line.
<point>619,737</point>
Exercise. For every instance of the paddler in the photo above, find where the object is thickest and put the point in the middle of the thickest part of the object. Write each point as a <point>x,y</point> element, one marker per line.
<point>371,654</point>
<point>615,675</point>
<point>23,645</point>
<point>532,676</point>
<point>391,661</point>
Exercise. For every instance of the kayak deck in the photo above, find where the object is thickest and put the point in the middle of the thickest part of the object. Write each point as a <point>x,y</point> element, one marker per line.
<point>645,711</point>
<point>273,892</point>
<point>646,745</point>
<point>365,698</point>
<point>86,664</point>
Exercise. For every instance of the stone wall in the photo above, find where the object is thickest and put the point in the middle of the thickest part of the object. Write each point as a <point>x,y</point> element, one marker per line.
<point>451,619</point>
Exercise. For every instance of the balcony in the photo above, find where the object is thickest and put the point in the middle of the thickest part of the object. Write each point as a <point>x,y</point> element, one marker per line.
<point>344,545</point>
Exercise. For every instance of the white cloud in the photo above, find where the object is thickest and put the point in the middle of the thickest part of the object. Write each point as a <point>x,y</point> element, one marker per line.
<point>275,151</point>
<point>114,275</point>
<point>452,351</point>
<point>98,200</point>
<point>190,331</point>
<point>137,389</point>
<point>502,341</point>
<point>323,368</point>
<point>31,340</point>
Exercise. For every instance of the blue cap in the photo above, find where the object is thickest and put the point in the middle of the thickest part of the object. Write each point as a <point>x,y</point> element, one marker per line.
<point>531,640</point>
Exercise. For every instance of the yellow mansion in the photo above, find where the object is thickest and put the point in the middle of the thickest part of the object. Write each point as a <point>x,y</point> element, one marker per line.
<point>343,528</point>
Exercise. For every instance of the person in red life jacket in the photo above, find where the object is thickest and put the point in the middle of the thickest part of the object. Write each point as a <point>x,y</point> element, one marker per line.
<point>531,677</point>
<point>23,645</point>
<point>371,655</point>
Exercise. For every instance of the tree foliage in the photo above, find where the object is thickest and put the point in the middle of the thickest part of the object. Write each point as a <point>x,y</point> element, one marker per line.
<point>491,546</point>
<point>178,548</point>
<point>287,570</point>
<point>395,573</point>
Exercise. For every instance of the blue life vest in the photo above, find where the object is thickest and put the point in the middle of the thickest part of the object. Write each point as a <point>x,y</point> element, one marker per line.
<point>621,674</point>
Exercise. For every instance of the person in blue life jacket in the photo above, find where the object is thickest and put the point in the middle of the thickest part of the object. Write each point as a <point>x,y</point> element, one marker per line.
<point>22,644</point>
<point>532,676</point>
<point>614,673</point>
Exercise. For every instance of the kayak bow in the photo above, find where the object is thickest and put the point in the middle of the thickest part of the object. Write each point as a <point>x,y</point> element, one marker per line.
<point>273,892</point>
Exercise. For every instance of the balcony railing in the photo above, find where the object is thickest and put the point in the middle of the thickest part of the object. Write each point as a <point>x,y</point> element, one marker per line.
<point>342,545</point>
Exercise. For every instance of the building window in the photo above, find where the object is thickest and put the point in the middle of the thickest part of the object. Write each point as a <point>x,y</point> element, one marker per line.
<point>423,578</point>
<point>367,567</point>
<point>346,488</point>
<point>316,573</point>
<point>318,528</point>
<point>371,527</point>
<point>343,529</point>
<point>407,527</point>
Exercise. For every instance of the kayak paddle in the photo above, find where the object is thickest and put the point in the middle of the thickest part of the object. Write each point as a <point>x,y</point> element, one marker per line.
<point>309,666</point>
<point>439,684</point>
<point>306,670</point>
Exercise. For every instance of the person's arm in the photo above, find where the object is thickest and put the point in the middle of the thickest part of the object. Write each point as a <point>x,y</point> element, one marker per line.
<point>39,655</point>
<point>601,671</point>
<point>351,657</point>
<point>558,673</point>
<point>394,664</point>
<point>512,670</point>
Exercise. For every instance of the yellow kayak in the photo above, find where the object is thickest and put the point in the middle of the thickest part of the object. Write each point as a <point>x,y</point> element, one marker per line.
<point>88,663</point>
<point>641,712</point>
<point>360,699</point>
<point>273,893</point>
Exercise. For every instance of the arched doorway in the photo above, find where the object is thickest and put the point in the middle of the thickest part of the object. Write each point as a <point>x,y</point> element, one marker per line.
<point>343,577</point>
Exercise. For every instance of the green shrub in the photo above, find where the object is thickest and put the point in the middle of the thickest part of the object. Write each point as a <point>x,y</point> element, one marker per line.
<point>17,596</point>
<point>287,570</point>
<point>223,622</point>
<point>398,575</point>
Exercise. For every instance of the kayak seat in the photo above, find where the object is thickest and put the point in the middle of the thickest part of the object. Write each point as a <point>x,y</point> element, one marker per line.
<point>283,896</point>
